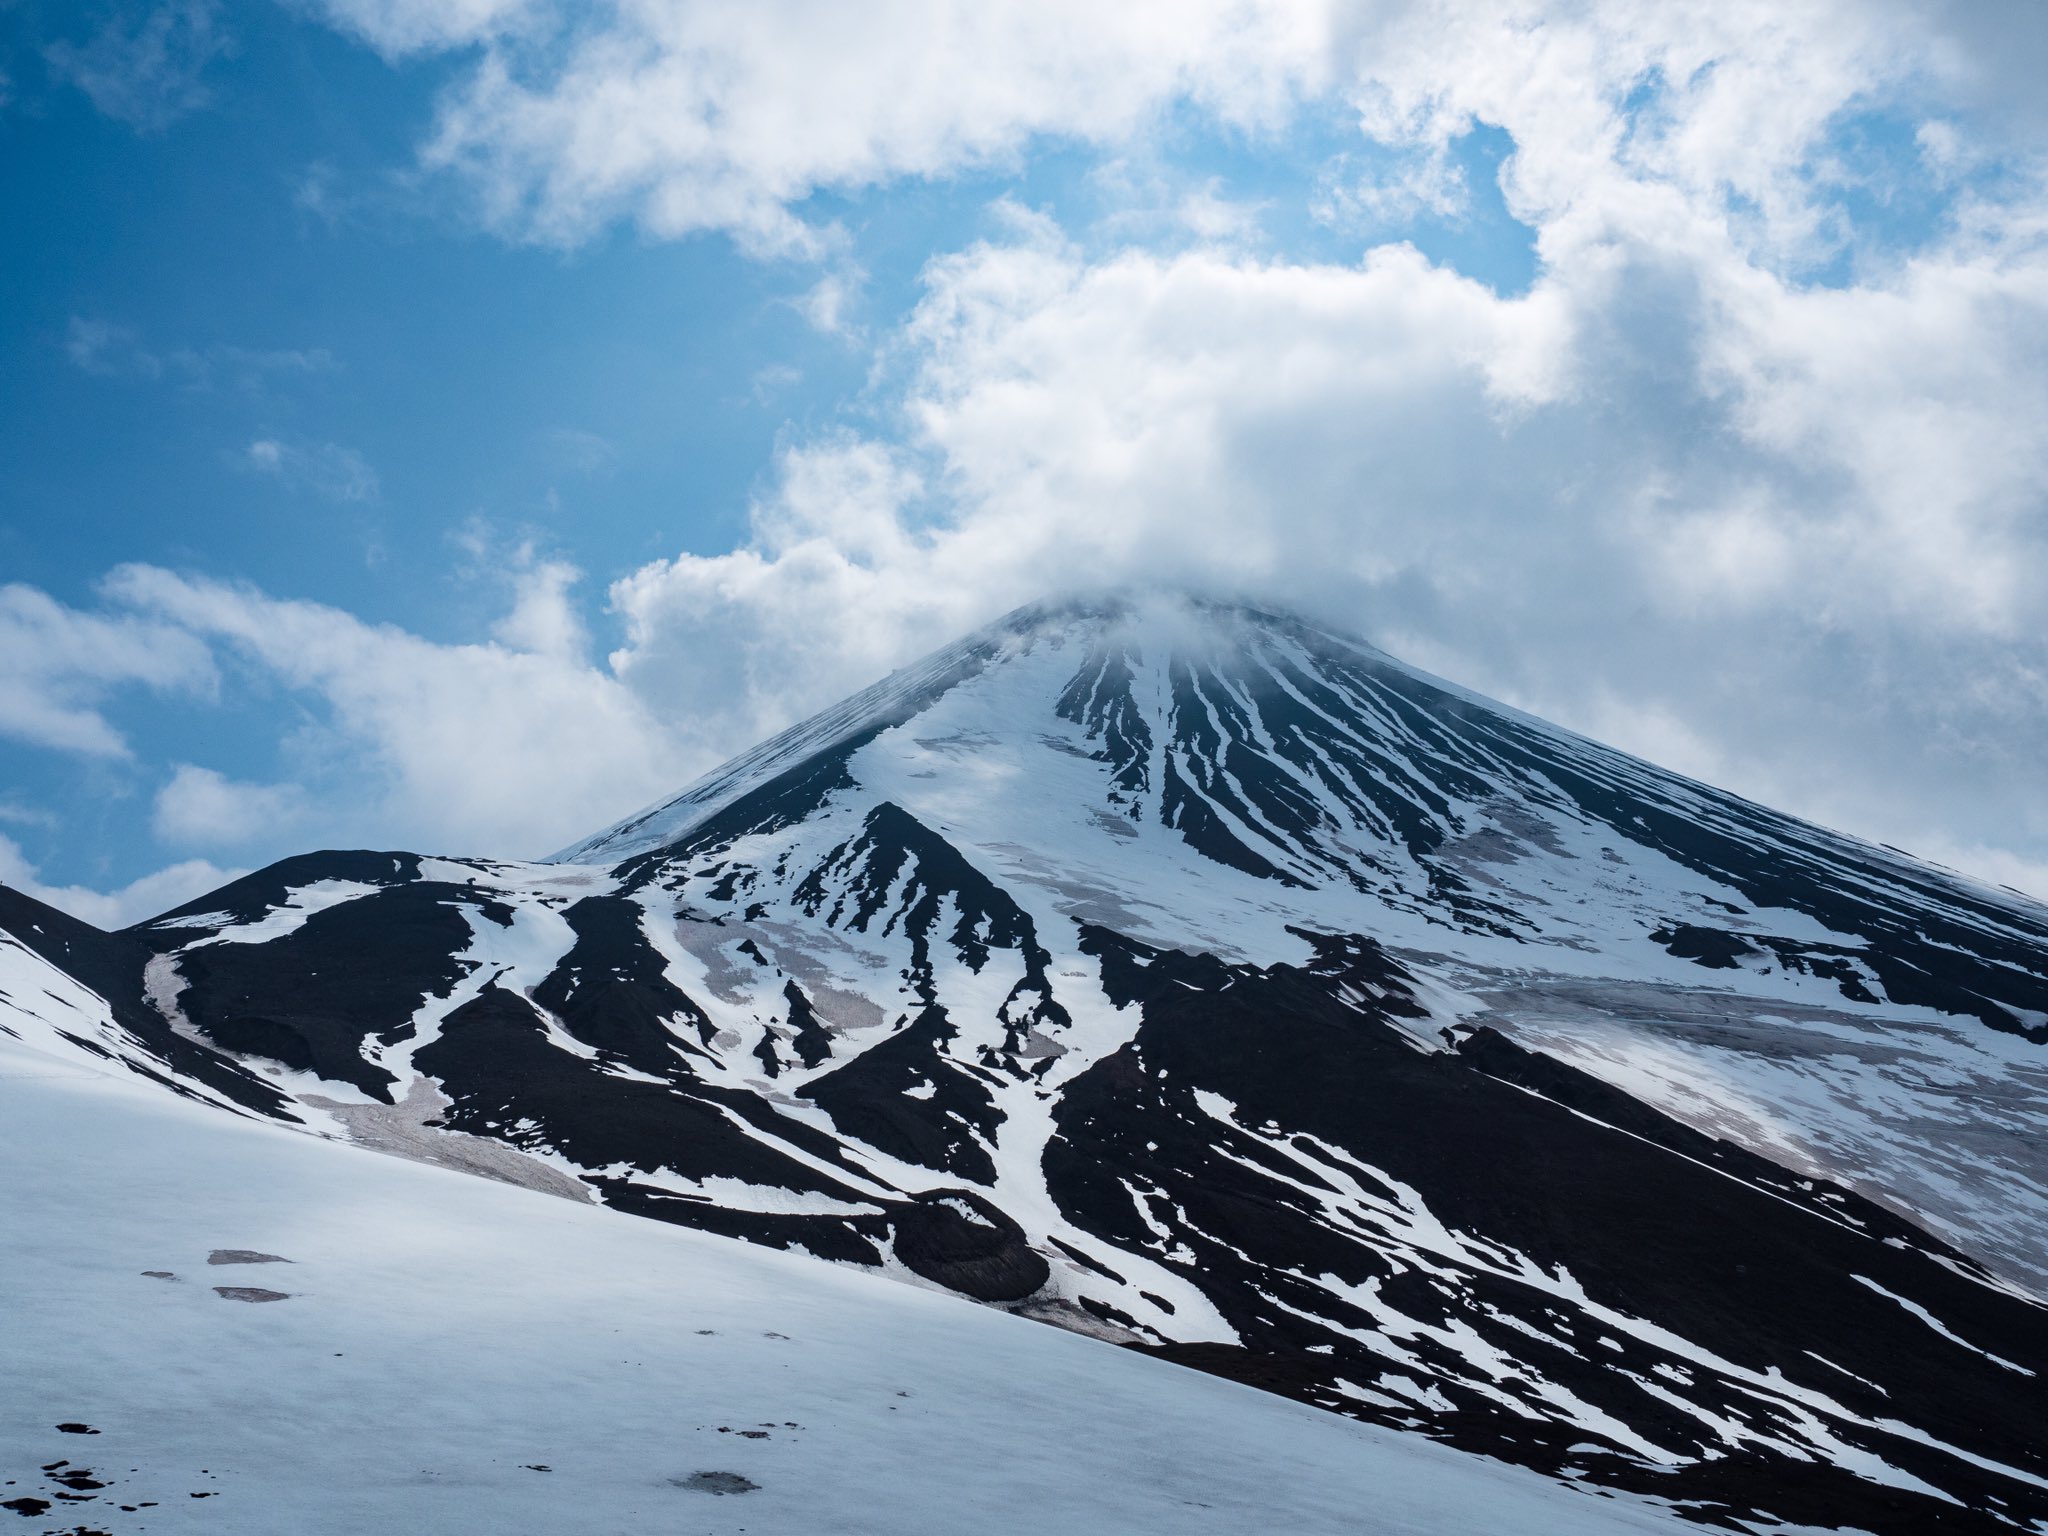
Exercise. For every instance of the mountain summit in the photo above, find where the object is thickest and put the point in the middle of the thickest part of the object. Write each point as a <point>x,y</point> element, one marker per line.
<point>1199,977</point>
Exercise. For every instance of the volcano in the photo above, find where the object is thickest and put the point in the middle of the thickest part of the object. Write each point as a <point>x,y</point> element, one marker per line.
<point>1197,977</point>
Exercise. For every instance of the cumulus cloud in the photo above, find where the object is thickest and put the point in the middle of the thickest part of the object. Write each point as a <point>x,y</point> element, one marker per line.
<point>144,65</point>
<point>1188,418</point>
<point>742,643</point>
<point>1514,491</point>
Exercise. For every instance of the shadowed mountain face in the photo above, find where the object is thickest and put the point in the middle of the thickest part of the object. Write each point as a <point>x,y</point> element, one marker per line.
<point>1199,978</point>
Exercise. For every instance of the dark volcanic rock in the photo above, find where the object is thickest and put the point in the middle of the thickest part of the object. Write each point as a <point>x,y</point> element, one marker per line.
<point>256,998</point>
<point>966,1243</point>
<point>112,965</point>
<point>1652,1219</point>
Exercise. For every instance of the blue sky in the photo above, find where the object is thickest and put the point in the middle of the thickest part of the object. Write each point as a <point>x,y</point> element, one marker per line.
<point>451,422</point>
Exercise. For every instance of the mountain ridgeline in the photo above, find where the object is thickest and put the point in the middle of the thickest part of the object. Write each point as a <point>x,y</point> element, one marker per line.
<point>1201,978</point>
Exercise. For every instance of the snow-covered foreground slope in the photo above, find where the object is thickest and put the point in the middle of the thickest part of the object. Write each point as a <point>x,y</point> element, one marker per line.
<point>444,1339</point>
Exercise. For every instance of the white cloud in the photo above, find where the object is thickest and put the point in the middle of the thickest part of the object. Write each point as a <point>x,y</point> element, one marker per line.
<point>143,66</point>
<point>827,302</point>
<point>399,27</point>
<point>834,591</point>
<point>253,367</point>
<point>1675,481</point>
<point>1149,198</point>
<point>327,470</point>
<point>59,665</point>
<point>728,114</point>
<point>1680,494</point>
<point>1205,213</point>
<point>512,748</point>
<point>156,892</point>
<point>1200,418</point>
<point>201,808</point>
<point>543,621</point>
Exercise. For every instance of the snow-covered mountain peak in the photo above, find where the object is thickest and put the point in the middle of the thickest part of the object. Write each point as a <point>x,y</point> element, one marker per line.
<point>1168,626</point>
<point>1216,774</point>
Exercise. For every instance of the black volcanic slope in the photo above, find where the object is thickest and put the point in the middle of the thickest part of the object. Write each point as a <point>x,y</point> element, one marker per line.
<point>111,965</point>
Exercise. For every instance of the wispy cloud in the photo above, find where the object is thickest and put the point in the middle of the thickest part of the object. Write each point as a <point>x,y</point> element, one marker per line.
<point>828,304</point>
<point>109,350</point>
<point>315,195</point>
<point>399,27</point>
<point>773,381</point>
<point>1424,183</point>
<point>144,66</point>
<point>59,666</point>
<point>19,814</point>
<point>326,470</point>
<point>582,450</point>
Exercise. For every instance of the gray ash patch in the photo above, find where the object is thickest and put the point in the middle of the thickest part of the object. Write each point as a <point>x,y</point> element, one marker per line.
<point>1965,1163</point>
<point>410,1129</point>
<point>1113,824</point>
<point>806,954</point>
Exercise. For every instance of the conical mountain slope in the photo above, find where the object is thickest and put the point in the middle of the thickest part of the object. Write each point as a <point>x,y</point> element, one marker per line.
<point>1192,975</point>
